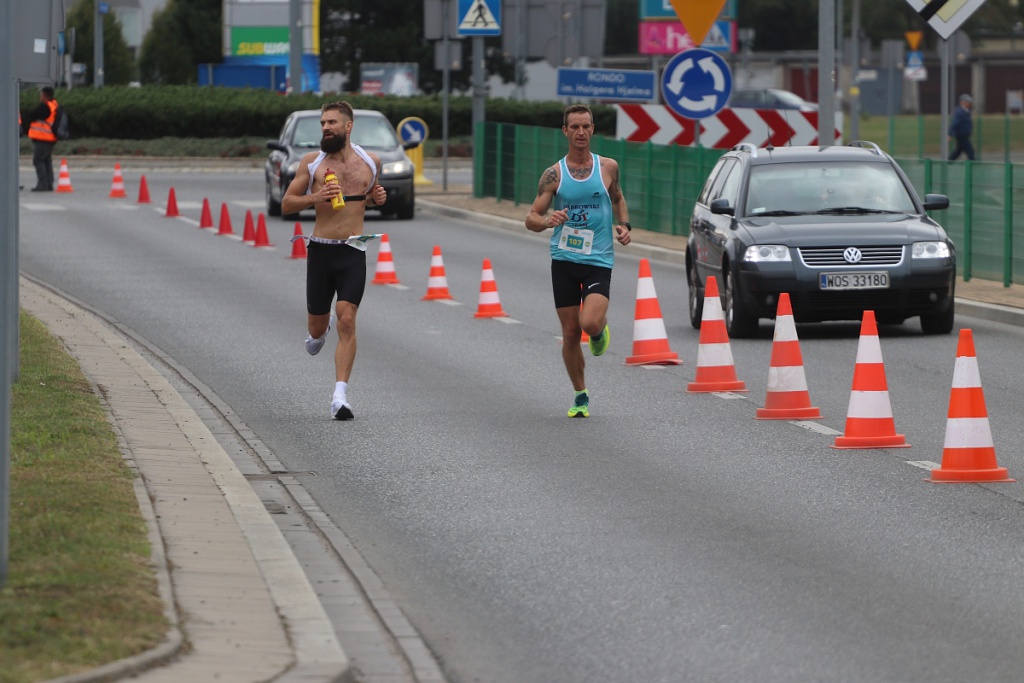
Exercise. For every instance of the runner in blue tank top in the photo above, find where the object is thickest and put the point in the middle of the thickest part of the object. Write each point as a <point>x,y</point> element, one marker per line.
<point>589,215</point>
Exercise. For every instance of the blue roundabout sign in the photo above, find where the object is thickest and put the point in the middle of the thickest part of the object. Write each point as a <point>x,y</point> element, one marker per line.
<point>696,83</point>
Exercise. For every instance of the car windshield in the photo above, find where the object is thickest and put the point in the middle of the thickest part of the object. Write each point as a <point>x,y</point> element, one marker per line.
<point>368,131</point>
<point>839,188</point>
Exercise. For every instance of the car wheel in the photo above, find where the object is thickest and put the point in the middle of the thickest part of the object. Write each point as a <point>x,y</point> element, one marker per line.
<point>406,211</point>
<point>739,323</point>
<point>938,323</point>
<point>273,208</point>
<point>696,297</point>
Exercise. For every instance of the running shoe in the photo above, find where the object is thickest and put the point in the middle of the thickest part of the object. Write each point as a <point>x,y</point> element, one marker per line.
<point>599,344</point>
<point>340,409</point>
<point>313,346</point>
<point>581,406</point>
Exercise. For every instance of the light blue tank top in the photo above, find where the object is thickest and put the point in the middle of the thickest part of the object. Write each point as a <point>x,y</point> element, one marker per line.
<point>588,235</point>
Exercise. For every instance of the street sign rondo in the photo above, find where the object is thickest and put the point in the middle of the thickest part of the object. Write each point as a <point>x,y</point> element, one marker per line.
<point>696,83</point>
<point>412,129</point>
<point>607,84</point>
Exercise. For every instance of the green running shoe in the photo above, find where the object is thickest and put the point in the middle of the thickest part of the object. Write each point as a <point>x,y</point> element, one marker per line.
<point>599,344</point>
<point>581,406</point>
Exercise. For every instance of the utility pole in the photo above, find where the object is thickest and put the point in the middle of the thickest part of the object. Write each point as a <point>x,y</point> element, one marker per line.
<point>295,46</point>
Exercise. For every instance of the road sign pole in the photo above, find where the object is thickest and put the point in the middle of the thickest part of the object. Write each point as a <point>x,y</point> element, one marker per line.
<point>9,276</point>
<point>944,50</point>
<point>855,72</point>
<point>479,85</point>
<point>826,67</point>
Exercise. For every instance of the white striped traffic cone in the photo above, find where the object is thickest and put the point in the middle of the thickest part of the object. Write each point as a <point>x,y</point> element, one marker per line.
<point>716,370</point>
<point>64,178</point>
<point>650,340</point>
<point>968,454</point>
<point>117,184</point>
<point>869,421</point>
<point>489,305</point>
<point>787,397</point>
<point>437,283</point>
<point>385,273</point>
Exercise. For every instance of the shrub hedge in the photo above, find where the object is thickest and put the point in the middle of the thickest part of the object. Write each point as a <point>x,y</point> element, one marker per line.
<point>152,112</point>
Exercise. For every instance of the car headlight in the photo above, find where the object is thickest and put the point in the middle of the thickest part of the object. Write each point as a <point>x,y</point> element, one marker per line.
<point>293,168</point>
<point>766,253</point>
<point>930,250</point>
<point>396,168</point>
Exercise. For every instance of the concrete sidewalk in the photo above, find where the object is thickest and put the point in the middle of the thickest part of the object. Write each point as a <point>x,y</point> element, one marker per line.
<point>240,605</point>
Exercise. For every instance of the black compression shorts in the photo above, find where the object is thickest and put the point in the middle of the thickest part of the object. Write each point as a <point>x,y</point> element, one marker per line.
<point>333,269</point>
<point>572,282</point>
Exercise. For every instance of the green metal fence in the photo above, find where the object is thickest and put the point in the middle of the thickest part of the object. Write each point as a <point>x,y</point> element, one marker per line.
<point>661,183</point>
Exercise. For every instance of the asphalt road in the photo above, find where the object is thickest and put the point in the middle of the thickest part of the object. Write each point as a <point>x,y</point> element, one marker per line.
<point>669,537</point>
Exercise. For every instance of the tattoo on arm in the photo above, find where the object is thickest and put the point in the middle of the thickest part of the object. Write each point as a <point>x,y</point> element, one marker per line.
<point>547,179</point>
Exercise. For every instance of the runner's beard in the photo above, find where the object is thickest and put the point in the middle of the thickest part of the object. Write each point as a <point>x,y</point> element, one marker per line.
<point>332,144</point>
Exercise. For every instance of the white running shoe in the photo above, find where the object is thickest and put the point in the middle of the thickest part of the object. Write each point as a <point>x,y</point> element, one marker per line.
<point>340,409</point>
<point>313,346</point>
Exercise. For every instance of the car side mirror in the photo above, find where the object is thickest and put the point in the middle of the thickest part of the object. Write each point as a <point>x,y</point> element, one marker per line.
<point>410,145</point>
<point>274,144</point>
<point>721,206</point>
<point>934,202</point>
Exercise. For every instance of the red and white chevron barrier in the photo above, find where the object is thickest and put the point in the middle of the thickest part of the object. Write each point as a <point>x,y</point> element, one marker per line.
<point>657,123</point>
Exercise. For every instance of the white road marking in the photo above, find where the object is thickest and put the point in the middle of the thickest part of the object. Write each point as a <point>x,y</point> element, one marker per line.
<point>728,395</point>
<point>42,207</point>
<point>924,464</point>
<point>507,321</point>
<point>815,427</point>
<point>249,203</point>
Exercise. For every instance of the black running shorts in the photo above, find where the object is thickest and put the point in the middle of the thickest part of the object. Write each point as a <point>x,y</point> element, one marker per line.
<point>572,282</point>
<point>333,269</point>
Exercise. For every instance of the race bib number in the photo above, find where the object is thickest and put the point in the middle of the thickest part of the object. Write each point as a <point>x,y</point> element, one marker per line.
<point>576,240</point>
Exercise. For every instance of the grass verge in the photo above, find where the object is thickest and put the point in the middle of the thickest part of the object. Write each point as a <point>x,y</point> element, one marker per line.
<point>80,591</point>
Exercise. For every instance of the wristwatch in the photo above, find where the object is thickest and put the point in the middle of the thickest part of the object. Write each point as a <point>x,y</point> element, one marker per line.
<point>627,225</point>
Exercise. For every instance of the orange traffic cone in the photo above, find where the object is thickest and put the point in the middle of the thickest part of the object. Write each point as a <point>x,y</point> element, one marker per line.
<point>968,454</point>
<point>206,218</point>
<point>64,178</point>
<point>262,240</point>
<point>385,273</point>
<point>715,368</point>
<point>143,191</point>
<point>298,243</point>
<point>650,340</point>
<point>117,185</point>
<point>869,422</point>
<point>249,232</point>
<point>489,306</point>
<point>437,284</point>
<point>172,205</point>
<point>787,397</point>
<point>224,228</point>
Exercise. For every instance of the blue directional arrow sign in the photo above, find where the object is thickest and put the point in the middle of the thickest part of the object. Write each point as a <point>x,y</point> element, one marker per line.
<point>696,83</point>
<point>412,129</point>
<point>479,18</point>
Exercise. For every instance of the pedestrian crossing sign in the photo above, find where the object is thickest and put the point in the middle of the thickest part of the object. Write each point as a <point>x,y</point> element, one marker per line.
<point>479,18</point>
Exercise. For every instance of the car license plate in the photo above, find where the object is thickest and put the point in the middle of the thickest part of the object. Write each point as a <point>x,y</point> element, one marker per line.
<point>874,280</point>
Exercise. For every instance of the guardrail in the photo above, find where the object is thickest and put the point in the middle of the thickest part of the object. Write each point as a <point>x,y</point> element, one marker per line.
<point>661,183</point>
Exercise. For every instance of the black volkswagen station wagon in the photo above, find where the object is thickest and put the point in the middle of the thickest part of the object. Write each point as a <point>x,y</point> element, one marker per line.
<point>841,229</point>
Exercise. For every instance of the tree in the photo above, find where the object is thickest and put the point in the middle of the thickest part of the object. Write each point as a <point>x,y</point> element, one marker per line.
<point>354,32</point>
<point>184,34</point>
<point>118,64</point>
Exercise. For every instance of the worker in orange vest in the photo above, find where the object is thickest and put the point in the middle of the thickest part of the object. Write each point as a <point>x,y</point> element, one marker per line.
<point>40,131</point>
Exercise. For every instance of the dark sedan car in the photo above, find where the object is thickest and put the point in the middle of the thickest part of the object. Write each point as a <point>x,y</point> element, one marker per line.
<point>841,229</point>
<point>371,130</point>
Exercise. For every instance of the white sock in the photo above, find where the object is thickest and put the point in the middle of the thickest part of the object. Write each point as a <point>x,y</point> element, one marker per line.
<point>340,390</point>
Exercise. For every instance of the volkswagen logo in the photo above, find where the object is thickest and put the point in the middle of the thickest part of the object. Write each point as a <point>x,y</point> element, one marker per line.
<point>852,255</point>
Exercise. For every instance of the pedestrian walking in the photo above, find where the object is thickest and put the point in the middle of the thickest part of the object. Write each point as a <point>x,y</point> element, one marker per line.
<point>336,257</point>
<point>589,214</point>
<point>960,128</point>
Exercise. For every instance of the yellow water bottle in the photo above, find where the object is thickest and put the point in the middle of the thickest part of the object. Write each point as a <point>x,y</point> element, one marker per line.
<point>337,201</point>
